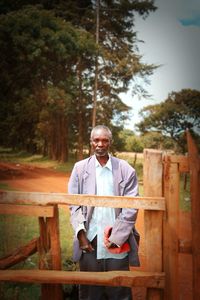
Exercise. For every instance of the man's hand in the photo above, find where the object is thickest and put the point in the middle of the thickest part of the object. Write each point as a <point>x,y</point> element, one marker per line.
<point>84,244</point>
<point>109,244</point>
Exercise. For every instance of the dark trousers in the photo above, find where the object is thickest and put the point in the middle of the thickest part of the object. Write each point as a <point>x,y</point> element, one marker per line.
<point>88,262</point>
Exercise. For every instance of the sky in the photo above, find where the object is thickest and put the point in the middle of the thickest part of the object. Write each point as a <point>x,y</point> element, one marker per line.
<point>171,39</point>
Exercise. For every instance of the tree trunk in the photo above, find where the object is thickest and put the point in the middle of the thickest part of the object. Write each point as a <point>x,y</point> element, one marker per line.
<point>54,147</point>
<point>80,116</point>
<point>64,155</point>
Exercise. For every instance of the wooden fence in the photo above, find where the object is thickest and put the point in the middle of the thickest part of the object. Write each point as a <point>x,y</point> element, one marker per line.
<point>160,203</point>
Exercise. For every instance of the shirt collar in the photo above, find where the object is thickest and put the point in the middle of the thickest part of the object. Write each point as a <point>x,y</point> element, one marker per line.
<point>107,165</point>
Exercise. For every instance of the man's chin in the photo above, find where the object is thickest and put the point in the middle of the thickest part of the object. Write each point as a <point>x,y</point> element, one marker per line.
<point>101,153</point>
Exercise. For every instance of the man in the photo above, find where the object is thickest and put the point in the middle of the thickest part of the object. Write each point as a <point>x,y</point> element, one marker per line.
<point>103,174</point>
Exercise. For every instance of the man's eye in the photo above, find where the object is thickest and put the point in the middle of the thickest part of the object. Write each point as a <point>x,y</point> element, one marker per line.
<point>105,141</point>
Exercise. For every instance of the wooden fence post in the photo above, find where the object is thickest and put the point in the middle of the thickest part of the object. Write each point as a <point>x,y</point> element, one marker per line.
<point>171,222</point>
<point>194,166</point>
<point>50,254</point>
<point>152,181</point>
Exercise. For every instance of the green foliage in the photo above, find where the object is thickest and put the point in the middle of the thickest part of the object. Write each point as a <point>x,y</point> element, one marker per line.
<point>180,111</point>
<point>48,54</point>
<point>129,141</point>
<point>155,140</point>
<point>134,144</point>
<point>37,78</point>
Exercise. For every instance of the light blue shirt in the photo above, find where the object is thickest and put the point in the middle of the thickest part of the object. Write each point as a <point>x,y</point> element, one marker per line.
<point>103,216</point>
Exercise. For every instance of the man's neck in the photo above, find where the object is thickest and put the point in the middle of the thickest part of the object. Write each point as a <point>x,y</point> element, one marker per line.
<point>102,160</point>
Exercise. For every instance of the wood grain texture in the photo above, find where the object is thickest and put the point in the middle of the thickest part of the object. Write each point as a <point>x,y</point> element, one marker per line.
<point>111,278</point>
<point>150,203</point>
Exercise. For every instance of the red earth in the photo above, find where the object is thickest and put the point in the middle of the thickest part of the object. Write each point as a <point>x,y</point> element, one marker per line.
<point>31,178</point>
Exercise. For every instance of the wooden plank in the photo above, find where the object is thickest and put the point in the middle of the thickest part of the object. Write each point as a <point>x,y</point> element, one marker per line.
<point>43,245</point>
<point>50,254</point>
<point>182,161</point>
<point>18,255</point>
<point>150,203</point>
<point>194,161</point>
<point>111,278</point>
<point>185,246</point>
<point>54,239</point>
<point>26,210</point>
<point>171,221</point>
<point>152,180</point>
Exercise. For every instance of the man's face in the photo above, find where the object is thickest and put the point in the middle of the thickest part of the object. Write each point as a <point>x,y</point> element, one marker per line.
<point>100,142</point>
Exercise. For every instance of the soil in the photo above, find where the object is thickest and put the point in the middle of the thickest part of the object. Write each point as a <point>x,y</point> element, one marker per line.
<point>31,178</point>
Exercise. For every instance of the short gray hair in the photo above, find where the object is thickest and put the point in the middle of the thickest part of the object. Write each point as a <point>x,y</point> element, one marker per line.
<point>101,127</point>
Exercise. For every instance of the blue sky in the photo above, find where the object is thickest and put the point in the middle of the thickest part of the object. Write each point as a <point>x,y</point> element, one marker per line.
<point>171,38</point>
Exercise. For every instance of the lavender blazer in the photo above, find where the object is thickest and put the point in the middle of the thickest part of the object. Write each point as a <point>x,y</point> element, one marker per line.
<point>82,181</point>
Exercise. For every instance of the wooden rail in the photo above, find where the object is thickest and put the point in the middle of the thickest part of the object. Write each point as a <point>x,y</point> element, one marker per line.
<point>35,211</point>
<point>111,278</point>
<point>45,207</point>
<point>149,203</point>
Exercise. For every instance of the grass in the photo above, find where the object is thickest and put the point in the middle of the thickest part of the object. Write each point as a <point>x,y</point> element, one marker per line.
<point>16,231</point>
<point>185,200</point>
<point>5,186</point>
<point>21,157</point>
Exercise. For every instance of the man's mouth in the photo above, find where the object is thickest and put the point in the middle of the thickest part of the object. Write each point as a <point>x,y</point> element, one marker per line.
<point>100,151</point>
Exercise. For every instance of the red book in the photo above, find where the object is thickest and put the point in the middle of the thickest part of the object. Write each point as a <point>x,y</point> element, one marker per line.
<point>115,250</point>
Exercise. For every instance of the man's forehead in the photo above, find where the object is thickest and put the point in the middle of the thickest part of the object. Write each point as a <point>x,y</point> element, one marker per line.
<point>100,133</point>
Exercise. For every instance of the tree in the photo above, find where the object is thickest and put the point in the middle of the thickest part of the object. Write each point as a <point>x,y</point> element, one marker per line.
<point>38,52</point>
<point>129,141</point>
<point>180,111</point>
<point>59,52</point>
<point>118,59</point>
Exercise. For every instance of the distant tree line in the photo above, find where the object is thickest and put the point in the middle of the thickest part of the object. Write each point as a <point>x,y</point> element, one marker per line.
<point>163,126</point>
<point>48,55</point>
<point>171,118</point>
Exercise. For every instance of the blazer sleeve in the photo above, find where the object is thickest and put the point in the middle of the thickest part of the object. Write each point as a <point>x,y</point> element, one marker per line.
<point>125,221</point>
<point>77,216</point>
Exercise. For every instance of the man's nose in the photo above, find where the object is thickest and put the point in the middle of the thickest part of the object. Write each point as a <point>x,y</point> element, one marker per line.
<point>100,143</point>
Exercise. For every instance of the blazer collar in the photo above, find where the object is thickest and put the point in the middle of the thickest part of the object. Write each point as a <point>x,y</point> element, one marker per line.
<point>90,174</point>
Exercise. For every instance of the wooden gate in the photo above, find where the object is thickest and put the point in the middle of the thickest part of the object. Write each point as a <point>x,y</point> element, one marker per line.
<point>160,203</point>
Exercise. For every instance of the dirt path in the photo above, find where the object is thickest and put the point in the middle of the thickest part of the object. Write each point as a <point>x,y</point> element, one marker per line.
<point>32,178</point>
<point>36,179</point>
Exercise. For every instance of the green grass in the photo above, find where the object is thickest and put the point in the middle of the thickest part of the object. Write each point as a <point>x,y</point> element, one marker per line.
<point>22,157</point>
<point>5,186</point>
<point>19,291</point>
<point>16,231</point>
<point>185,200</point>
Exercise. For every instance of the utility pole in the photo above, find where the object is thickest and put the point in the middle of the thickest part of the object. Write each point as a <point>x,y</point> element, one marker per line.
<point>94,112</point>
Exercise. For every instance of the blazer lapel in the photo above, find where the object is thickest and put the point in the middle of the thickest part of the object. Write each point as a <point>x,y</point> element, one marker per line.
<point>89,184</point>
<point>118,180</point>
<point>89,177</point>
